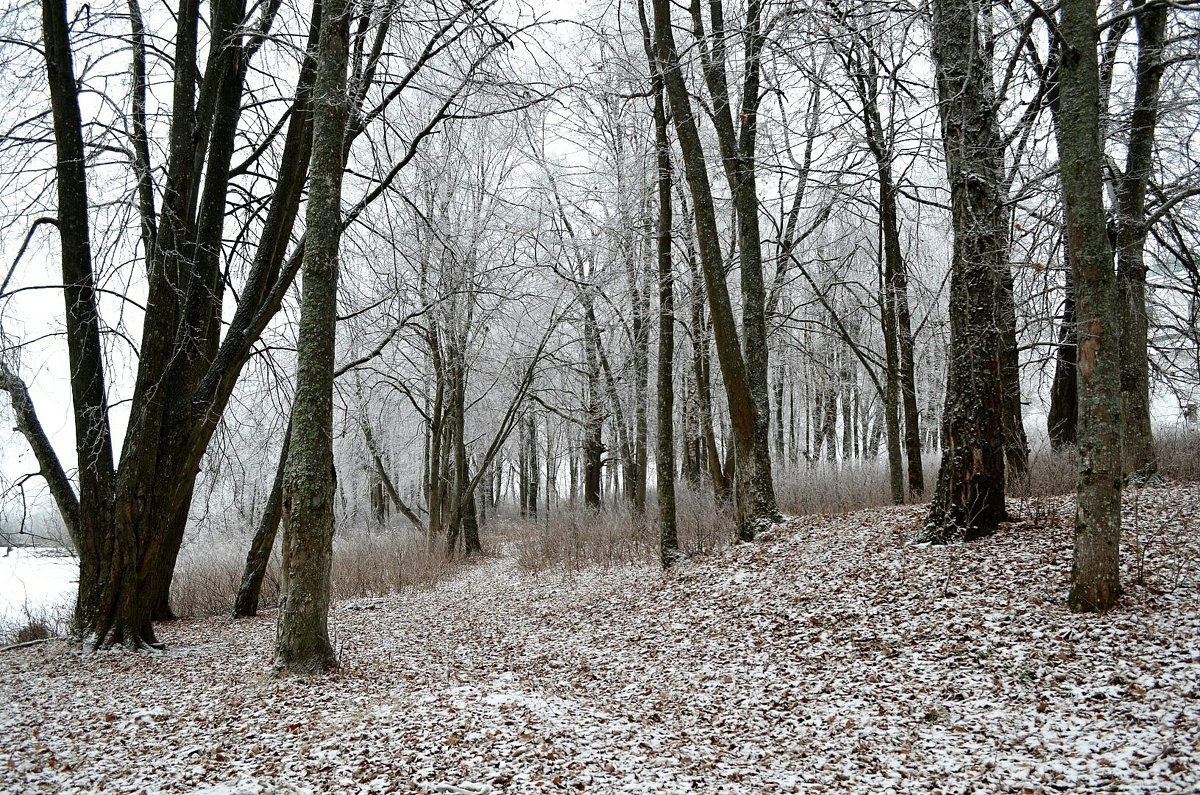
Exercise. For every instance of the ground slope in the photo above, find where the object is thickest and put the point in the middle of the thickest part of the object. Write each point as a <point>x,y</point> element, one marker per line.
<point>831,656</point>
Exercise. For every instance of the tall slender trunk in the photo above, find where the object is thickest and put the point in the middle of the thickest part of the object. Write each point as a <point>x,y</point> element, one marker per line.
<point>302,638</point>
<point>891,395</point>
<point>664,454</point>
<point>738,148</point>
<point>1137,440</point>
<point>1095,574</point>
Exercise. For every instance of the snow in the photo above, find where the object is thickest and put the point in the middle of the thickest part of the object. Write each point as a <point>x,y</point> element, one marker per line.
<point>36,583</point>
<point>834,657</point>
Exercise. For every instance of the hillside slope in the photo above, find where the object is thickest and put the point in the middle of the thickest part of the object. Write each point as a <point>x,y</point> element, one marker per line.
<point>831,656</point>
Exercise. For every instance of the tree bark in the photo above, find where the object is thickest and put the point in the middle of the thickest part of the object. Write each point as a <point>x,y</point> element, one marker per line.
<point>1137,441</point>
<point>664,454</point>
<point>1063,419</point>
<point>245,605</point>
<point>891,393</point>
<point>1095,576</point>
<point>302,638</point>
<point>969,499</point>
<point>738,148</point>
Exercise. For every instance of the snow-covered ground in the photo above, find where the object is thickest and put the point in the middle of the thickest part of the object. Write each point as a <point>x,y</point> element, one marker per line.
<point>35,585</point>
<point>830,656</point>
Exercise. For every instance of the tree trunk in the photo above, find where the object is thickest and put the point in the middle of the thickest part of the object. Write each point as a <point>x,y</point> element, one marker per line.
<point>664,454</point>
<point>1095,575</point>
<point>1063,419</point>
<point>302,638</point>
<point>245,605</point>
<point>1016,445</point>
<point>891,395</point>
<point>969,500</point>
<point>1137,441</point>
<point>738,147</point>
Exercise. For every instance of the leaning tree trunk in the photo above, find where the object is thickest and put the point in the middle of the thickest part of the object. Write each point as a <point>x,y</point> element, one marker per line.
<point>302,639</point>
<point>755,495</point>
<point>969,500</point>
<point>1095,576</point>
<point>245,605</point>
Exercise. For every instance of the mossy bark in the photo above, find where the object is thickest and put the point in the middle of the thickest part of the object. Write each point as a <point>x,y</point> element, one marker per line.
<point>302,637</point>
<point>1095,576</point>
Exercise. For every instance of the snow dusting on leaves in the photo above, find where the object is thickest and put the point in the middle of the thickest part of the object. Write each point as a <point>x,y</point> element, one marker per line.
<point>833,655</point>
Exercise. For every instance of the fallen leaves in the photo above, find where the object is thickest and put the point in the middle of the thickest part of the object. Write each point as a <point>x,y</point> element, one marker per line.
<point>829,657</point>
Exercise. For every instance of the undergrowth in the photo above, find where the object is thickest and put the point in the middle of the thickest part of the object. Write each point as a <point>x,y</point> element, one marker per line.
<point>573,537</point>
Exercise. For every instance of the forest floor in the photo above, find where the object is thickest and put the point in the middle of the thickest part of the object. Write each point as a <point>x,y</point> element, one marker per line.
<point>832,655</point>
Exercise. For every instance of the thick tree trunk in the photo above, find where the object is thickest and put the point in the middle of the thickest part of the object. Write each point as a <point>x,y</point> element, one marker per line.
<point>110,608</point>
<point>302,639</point>
<point>1095,574</point>
<point>969,500</point>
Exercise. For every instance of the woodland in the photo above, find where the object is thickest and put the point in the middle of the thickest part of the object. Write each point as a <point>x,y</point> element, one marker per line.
<point>377,324</point>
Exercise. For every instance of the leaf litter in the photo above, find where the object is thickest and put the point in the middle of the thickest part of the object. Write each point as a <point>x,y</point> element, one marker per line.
<point>831,655</point>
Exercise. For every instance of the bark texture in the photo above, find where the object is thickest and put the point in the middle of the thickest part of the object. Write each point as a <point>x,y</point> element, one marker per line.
<point>969,501</point>
<point>1095,578</point>
<point>754,493</point>
<point>245,604</point>
<point>1139,458</point>
<point>302,637</point>
<point>664,454</point>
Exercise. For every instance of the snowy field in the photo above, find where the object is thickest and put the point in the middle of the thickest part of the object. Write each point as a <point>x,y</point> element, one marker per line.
<point>36,584</point>
<point>831,656</point>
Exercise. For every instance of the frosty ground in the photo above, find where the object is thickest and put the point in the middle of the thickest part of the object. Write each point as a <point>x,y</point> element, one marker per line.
<point>832,655</point>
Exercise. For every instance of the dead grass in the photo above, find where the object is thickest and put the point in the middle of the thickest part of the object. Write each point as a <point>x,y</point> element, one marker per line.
<point>34,623</point>
<point>372,563</point>
<point>207,575</point>
<point>578,537</point>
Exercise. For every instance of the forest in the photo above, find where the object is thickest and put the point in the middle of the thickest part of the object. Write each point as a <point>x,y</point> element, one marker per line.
<point>618,395</point>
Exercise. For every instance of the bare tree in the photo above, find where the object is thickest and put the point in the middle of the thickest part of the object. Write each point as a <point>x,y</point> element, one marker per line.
<point>969,501</point>
<point>1095,576</point>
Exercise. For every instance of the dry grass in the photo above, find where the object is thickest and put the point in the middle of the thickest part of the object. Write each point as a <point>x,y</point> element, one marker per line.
<point>577,537</point>
<point>208,574</point>
<point>371,563</point>
<point>35,623</point>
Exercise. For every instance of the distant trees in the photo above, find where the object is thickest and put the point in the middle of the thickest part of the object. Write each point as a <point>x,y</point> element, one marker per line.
<point>765,168</point>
